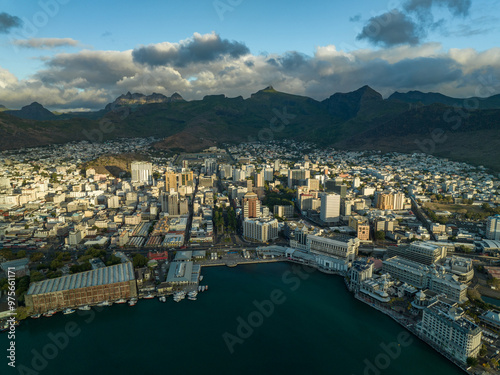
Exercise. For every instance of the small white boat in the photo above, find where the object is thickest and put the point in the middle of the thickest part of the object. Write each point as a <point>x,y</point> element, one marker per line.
<point>105,303</point>
<point>193,293</point>
<point>149,296</point>
<point>121,300</point>
<point>192,298</point>
<point>132,302</point>
<point>163,299</point>
<point>199,288</point>
<point>84,308</point>
<point>68,311</point>
<point>49,313</point>
<point>201,277</point>
<point>36,316</point>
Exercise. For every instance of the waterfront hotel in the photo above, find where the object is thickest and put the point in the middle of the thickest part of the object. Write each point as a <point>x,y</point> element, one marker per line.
<point>85,288</point>
<point>446,327</point>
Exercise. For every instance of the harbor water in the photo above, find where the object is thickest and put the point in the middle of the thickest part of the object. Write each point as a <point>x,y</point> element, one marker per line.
<point>254,319</point>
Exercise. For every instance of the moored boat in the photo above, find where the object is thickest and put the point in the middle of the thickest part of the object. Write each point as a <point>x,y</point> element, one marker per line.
<point>121,300</point>
<point>68,311</point>
<point>36,316</point>
<point>149,296</point>
<point>84,308</point>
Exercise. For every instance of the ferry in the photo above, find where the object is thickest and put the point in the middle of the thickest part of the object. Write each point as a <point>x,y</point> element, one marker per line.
<point>121,300</point>
<point>36,316</point>
<point>68,311</point>
<point>84,308</point>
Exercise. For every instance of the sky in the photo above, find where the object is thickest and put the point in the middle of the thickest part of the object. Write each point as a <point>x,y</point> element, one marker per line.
<point>81,55</point>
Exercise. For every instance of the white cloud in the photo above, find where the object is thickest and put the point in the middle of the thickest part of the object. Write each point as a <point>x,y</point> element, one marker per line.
<point>90,79</point>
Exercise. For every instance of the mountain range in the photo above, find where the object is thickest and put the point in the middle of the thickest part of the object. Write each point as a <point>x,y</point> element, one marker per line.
<point>459,129</point>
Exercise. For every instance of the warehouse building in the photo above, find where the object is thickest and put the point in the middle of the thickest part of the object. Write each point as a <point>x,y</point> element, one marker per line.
<point>85,288</point>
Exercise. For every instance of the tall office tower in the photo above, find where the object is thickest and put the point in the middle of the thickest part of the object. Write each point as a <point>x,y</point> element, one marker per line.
<point>142,172</point>
<point>259,179</point>
<point>251,205</point>
<point>385,201</point>
<point>164,201</point>
<point>170,181</point>
<point>356,182</point>
<point>210,166</point>
<point>330,208</point>
<point>312,184</point>
<point>493,228</point>
<point>183,207</point>
<point>173,204</point>
<point>295,175</point>
<point>268,174</point>
<point>186,178</point>
<point>399,201</point>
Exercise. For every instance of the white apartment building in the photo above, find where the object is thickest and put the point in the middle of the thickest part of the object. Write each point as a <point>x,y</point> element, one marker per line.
<point>330,208</point>
<point>446,326</point>
<point>421,276</point>
<point>261,230</point>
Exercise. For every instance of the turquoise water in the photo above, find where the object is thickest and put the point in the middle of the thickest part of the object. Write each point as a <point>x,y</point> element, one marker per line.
<point>316,327</point>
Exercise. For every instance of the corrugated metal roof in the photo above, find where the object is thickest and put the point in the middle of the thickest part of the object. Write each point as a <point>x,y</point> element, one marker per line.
<point>101,276</point>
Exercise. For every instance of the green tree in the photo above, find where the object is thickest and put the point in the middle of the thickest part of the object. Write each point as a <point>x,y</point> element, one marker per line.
<point>36,276</point>
<point>35,257</point>
<point>471,361</point>
<point>139,260</point>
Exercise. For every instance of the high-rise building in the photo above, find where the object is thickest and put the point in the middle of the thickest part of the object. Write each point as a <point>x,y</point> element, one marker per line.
<point>493,228</point>
<point>385,201</point>
<point>251,206</point>
<point>170,181</point>
<point>259,179</point>
<point>261,230</point>
<point>173,204</point>
<point>312,184</point>
<point>268,174</point>
<point>446,326</point>
<point>330,208</point>
<point>185,178</point>
<point>363,232</point>
<point>142,172</point>
<point>399,201</point>
<point>421,252</point>
<point>283,211</point>
<point>295,175</point>
<point>210,166</point>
